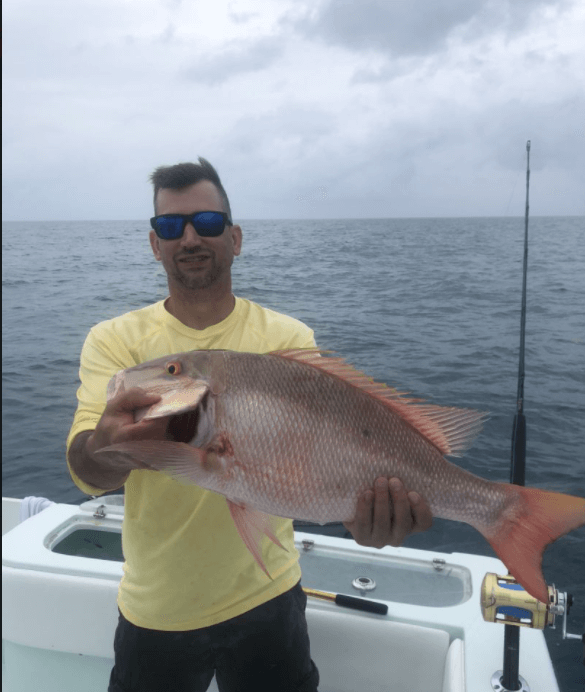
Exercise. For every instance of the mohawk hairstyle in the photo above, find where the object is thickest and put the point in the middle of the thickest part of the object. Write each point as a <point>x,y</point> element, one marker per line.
<point>184,174</point>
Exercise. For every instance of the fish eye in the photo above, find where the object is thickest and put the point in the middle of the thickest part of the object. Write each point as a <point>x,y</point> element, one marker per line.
<point>173,368</point>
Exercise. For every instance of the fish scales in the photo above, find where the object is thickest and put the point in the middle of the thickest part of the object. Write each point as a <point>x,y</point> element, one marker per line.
<point>298,435</point>
<point>312,443</point>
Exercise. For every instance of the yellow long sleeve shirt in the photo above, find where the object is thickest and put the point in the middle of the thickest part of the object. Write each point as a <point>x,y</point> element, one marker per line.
<point>185,565</point>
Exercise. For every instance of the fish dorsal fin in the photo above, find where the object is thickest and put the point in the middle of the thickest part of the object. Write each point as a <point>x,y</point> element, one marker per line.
<point>450,429</point>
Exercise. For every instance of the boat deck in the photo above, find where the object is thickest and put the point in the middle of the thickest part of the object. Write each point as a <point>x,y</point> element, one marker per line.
<point>59,610</point>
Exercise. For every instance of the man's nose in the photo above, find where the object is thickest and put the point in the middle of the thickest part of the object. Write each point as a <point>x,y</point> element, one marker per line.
<point>190,236</point>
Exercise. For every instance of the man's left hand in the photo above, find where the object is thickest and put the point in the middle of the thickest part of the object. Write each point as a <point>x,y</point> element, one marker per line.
<point>388,514</point>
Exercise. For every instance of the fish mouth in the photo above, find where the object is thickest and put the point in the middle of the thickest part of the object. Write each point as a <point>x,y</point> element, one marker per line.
<point>193,427</point>
<point>183,427</point>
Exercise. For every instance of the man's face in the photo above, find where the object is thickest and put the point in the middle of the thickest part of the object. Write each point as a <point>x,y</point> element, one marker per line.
<point>192,262</point>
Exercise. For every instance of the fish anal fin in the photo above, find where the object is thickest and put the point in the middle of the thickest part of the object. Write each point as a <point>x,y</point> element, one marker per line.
<point>534,521</point>
<point>251,526</point>
<point>450,429</point>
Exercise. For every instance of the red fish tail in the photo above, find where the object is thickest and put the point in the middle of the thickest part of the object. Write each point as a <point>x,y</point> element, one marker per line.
<point>535,519</point>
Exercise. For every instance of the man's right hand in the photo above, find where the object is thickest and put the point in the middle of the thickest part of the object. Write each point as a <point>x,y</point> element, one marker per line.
<point>110,471</point>
<point>117,421</point>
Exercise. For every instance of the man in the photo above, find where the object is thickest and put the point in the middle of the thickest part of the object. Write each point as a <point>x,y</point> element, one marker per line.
<point>192,599</point>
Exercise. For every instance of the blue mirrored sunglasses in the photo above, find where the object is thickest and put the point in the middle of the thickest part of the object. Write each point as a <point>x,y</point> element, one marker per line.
<point>208,224</point>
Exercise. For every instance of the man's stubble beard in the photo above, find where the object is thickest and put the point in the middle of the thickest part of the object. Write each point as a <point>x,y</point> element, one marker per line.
<point>199,282</point>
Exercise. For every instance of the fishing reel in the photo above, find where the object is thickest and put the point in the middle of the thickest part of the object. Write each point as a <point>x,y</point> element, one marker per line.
<point>503,600</point>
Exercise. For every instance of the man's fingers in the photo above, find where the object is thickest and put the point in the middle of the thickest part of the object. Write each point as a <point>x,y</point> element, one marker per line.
<point>402,518</point>
<point>421,513</point>
<point>132,399</point>
<point>154,429</point>
<point>117,422</point>
<point>382,513</point>
<point>388,514</point>
<point>361,526</point>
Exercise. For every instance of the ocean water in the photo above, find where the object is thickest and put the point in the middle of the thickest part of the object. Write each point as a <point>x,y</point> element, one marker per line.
<point>431,306</point>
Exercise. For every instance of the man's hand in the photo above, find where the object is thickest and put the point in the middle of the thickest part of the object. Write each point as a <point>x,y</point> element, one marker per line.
<point>117,422</point>
<point>110,471</point>
<point>387,515</point>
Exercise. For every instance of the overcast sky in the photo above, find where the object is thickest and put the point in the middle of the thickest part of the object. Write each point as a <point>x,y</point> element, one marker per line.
<point>307,108</point>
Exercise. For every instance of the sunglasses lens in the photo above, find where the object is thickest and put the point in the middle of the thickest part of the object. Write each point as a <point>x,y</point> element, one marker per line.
<point>209,223</point>
<point>169,227</point>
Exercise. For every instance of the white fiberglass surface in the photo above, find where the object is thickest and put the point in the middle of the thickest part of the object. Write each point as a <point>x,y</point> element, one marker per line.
<point>400,580</point>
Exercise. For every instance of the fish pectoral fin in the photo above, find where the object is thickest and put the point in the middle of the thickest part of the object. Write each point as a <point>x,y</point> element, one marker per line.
<point>252,525</point>
<point>176,459</point>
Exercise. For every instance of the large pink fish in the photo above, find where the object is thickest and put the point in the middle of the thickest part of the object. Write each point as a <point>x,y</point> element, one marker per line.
<point>299,435</point>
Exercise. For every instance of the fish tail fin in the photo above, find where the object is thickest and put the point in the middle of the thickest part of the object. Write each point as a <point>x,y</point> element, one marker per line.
<point>534,520</point>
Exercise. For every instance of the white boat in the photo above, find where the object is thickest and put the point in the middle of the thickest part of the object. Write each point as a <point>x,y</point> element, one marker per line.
<point>60,574</point>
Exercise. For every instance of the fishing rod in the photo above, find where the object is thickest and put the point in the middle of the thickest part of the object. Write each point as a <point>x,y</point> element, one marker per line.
<point>498,592</point>
<point>511,678</point>
<point>518,466</point>
<point>502,599</point>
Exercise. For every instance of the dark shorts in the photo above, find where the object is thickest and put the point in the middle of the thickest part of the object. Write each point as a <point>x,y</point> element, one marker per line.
<point>266,648</point>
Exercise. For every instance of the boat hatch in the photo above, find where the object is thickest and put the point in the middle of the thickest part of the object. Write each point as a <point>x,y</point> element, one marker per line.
<point>92,542</point>
<point>398,579</point>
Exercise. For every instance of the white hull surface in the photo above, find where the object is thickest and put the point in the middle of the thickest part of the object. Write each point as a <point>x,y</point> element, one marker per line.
<point>60,574</point>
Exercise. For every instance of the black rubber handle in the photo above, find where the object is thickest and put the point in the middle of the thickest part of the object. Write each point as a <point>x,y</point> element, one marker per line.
<point>361,604</point>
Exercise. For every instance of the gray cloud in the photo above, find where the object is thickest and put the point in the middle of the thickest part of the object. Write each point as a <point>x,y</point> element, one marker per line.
<point>237,59</point>
<point>242,17</point>
<point>468,162</point>
<point>296,132</point>
<point>409,28</point>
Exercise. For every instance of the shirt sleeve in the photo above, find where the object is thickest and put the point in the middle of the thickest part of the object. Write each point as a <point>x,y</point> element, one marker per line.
<point>304,338</point>
<point>102,356</point>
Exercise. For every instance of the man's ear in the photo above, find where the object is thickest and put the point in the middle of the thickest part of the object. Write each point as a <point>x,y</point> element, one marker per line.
<point>154,244</point>
<point>236,232</point>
